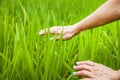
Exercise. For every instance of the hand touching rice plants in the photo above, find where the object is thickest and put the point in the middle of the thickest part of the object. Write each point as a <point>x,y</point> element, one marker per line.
<point>95,71</point>
<point>108,12</point>
<point>26,56</point>
<point>67,32</point>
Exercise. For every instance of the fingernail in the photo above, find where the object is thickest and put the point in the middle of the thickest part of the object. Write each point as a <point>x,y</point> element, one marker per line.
<point>41,32</point>
<point>77,62</point>
<point>51,38</point>
<point>73,73</point>
<point>74,67</point>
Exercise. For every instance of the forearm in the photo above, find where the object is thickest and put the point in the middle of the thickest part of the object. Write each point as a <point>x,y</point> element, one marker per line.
<point>108,12</point>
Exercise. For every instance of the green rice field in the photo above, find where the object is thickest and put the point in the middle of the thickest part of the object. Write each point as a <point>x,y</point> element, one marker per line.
<point>25,55</point>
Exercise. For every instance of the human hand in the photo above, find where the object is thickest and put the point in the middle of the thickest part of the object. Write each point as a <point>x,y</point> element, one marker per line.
<point>66,32</point>
<point>95,71</point>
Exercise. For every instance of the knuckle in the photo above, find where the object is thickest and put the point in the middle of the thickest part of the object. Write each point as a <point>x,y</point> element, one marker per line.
<point>98,65</point>
<point>83,72</point>
<point>95,69</point>
<point>87,62</point>
<point>81,67</point>
<point>84,66</point>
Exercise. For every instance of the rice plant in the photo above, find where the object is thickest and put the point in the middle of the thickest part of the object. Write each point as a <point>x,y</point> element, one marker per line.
<point>24,55</point>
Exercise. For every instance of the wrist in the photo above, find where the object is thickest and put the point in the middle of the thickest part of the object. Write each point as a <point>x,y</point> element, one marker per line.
<point>77,28</point>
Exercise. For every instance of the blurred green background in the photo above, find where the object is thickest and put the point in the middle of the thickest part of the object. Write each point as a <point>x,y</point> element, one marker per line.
<point>24,55</point>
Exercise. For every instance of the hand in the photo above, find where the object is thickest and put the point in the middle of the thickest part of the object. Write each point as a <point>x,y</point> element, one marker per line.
<point>66,32</point>
<point>95,71</point>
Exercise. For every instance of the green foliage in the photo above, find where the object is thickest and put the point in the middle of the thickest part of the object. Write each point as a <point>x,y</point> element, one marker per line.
<point>24,55</point>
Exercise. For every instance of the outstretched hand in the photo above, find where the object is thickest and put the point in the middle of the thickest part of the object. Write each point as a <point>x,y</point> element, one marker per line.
<point>64,32</point>
<point>95,71</point>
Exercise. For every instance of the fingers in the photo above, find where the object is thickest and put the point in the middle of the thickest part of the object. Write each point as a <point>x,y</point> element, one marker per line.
<point>42,32</point>
<point>64,37</point>
<point>90,69</point>
<point>45,31</point>
<point>86,79</point>
<point>83,67</point>
<point>53,30</point>
<point>62,32</point>
<point>58,37</point>
<point>90,63</point>
<point>83,73</point>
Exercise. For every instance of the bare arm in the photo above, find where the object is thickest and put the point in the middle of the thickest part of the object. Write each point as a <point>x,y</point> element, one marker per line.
<point>108,12</point>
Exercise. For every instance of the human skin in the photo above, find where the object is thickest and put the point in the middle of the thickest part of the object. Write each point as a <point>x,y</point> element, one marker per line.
<point>95,71</point>
<point>106,13</point>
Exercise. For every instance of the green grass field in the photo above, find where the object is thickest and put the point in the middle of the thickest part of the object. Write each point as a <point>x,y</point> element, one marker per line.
<point>24,55</point>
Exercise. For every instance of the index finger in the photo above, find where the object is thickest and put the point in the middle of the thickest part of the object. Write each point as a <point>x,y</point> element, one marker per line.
<point>90,63</point>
